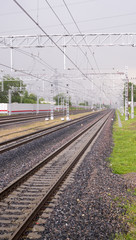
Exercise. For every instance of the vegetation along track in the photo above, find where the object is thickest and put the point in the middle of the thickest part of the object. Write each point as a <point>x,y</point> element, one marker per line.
<point>23,199</point>
<point>18,141</point>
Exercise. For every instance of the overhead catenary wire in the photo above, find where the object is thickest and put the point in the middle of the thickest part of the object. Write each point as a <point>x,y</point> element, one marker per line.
<point>40,60</point>
<point>82,21</point>
<point>92,53</point>
<point>68,31</point>
<point>80,32</point>
<point>45,64</point>
<point>65,54</point>
<point>55,43</point>
<point>37,58</point>
<point>71,90</point>
<point>101,89</point>
<point>39,78</point>
<point>58,6</point>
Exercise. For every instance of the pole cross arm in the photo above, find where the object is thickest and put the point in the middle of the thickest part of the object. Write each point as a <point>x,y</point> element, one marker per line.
<point>71,40</point>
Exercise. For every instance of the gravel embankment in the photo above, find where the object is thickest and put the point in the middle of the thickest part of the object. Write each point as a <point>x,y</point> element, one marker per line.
<point>18,161</point>
<point>88,208</point>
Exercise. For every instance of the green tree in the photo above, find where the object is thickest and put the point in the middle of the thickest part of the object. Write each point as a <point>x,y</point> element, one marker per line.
<point>29,98</point>
<point>59,99</point>
<point>33,97</point>
<point>19,89</point>
<point>41,99</point>
<point>84,103</point>
<point>11,83</point>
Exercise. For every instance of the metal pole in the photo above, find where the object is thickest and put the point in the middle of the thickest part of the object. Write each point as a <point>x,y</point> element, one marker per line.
<point>92,103</point>
<point>67,104</point>
<point>126,100</point>
<point>58,103</point>
<point>52,116</point>
<point>61,103</point>
<point>37,108</point>
<point>132,102</point>
<point>11,56</point>
<point>100,96</point>
<point>63,106</point>
<point>122,105</point>
<point>64,50</point>
<point>126,96</point>
<point>9,95</point>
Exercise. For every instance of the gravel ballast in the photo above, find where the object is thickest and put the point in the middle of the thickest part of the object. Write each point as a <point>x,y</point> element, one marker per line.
<point>17,161</point>
<point>88,209</point>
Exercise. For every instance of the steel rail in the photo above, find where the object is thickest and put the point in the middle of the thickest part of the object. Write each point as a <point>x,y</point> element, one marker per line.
<point>21,179</point>
<point>18,141</point>
<point>20,117</point>
<point>56,184</point>
<point>95,128</point>
<point>12,120</point>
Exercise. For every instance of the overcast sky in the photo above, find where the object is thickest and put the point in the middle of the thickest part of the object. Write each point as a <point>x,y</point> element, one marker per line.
<point>91,16</point>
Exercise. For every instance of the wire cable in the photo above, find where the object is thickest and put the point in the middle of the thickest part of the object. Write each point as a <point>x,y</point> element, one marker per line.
<point>39,78</point>
<point>67,31</point>
<point>79,31</point>
<point>54,43</point>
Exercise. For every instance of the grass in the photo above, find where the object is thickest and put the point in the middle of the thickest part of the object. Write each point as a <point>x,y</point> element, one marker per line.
<point>122,161</point>
<point>123,157</point>
<point>130,219</point>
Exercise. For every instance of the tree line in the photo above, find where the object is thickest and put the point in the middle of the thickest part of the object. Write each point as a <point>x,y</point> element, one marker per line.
<point>21,95</point>
<point>19,92</point>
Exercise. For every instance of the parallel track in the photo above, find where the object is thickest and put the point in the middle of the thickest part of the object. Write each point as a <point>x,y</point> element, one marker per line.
<point>23,199</point>
<point>18,141</point>
<point>10,120</point>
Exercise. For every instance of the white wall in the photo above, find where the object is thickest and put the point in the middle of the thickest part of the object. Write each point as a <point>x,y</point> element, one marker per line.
<point>17,108</point>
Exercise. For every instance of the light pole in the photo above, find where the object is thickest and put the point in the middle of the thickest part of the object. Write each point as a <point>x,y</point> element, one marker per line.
<point>126,94</point>
<point>132,102</point>
<point>9,96</point>
<point>58,103</point>
<point>67,105</point>
<point>51,116</point>
<point>37,107</point>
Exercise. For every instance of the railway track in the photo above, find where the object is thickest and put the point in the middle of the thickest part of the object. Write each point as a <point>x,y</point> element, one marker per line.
<point>18,141</point>
<point>23,199</point>
<point>10,120</point>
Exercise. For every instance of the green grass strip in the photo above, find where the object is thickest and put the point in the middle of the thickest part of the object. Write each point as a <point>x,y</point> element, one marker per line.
<point>130,219</point>
<point>123,157</point>
<point>123,160</point>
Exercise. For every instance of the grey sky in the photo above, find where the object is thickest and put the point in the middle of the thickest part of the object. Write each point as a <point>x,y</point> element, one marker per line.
<point>118,16</point>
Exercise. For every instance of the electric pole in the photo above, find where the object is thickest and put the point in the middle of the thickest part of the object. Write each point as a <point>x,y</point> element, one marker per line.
<point>132,102</point>
<point>52,116</point>
<point>126,94</point>
<point>67,104</point>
